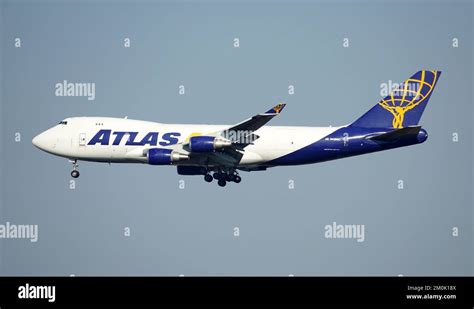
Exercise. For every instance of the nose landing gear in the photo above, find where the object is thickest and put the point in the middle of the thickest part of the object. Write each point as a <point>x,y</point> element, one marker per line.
<point>74,172</point>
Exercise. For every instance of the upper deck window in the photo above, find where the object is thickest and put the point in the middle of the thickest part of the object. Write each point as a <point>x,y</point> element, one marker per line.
<point>63,122</point>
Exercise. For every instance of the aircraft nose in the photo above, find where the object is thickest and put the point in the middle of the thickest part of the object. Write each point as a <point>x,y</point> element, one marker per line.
<point>40,141</point>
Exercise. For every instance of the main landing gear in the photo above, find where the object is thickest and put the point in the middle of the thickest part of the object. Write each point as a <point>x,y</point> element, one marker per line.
<point>74,172</point>
<point>223,177</point>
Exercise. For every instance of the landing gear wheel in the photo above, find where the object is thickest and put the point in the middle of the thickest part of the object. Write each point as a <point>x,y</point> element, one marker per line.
<point>75,172</point>
<point>237,179</point>
<point>221,182</point>
<point>229,177</point>
<point>217,176</point>
<point>208,178</point>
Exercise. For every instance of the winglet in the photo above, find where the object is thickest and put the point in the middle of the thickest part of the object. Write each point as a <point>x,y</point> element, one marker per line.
<point>276,109</point>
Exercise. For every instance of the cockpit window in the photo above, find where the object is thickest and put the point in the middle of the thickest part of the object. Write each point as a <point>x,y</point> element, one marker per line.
<point>63,122</point>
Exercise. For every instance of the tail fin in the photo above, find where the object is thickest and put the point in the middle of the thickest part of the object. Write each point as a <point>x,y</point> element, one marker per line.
<point>404,105</point>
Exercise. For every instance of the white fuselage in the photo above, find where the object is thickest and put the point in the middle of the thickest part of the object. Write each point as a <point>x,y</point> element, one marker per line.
<point>72,139</point>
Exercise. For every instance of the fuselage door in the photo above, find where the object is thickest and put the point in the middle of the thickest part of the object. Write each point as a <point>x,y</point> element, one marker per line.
<point>82,139</point>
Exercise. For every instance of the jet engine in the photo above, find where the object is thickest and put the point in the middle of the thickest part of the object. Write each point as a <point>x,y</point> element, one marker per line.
<point>207,143</point>
<point>161,156</point>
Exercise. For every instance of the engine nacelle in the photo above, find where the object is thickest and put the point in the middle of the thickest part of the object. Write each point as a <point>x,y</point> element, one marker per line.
<point>207,143</point>
<point>161,156</point>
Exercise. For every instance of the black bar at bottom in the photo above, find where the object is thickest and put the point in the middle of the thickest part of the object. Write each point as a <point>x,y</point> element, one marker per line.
<point>432,291</point>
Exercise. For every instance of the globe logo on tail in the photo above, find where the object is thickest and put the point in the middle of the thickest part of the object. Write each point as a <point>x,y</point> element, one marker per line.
<point>409,95</point>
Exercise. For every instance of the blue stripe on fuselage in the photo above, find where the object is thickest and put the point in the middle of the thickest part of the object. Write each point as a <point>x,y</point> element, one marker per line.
<point>344,142</point>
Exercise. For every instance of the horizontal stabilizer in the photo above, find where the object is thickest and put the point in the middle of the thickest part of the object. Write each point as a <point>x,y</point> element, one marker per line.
<point>407,132</point>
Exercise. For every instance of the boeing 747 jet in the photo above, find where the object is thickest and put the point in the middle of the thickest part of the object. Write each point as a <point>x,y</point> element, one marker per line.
<point>220,151</point>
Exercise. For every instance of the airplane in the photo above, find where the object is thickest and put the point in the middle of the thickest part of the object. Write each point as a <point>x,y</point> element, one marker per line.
<point>220,151</point>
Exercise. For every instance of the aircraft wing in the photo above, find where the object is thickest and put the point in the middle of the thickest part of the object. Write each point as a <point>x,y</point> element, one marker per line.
<point>256,122</point>
<point>239,135</point>
<point>242,134</point>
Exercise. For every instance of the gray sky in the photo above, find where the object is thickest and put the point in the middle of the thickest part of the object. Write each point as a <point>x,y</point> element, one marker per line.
<point>191,231</point>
